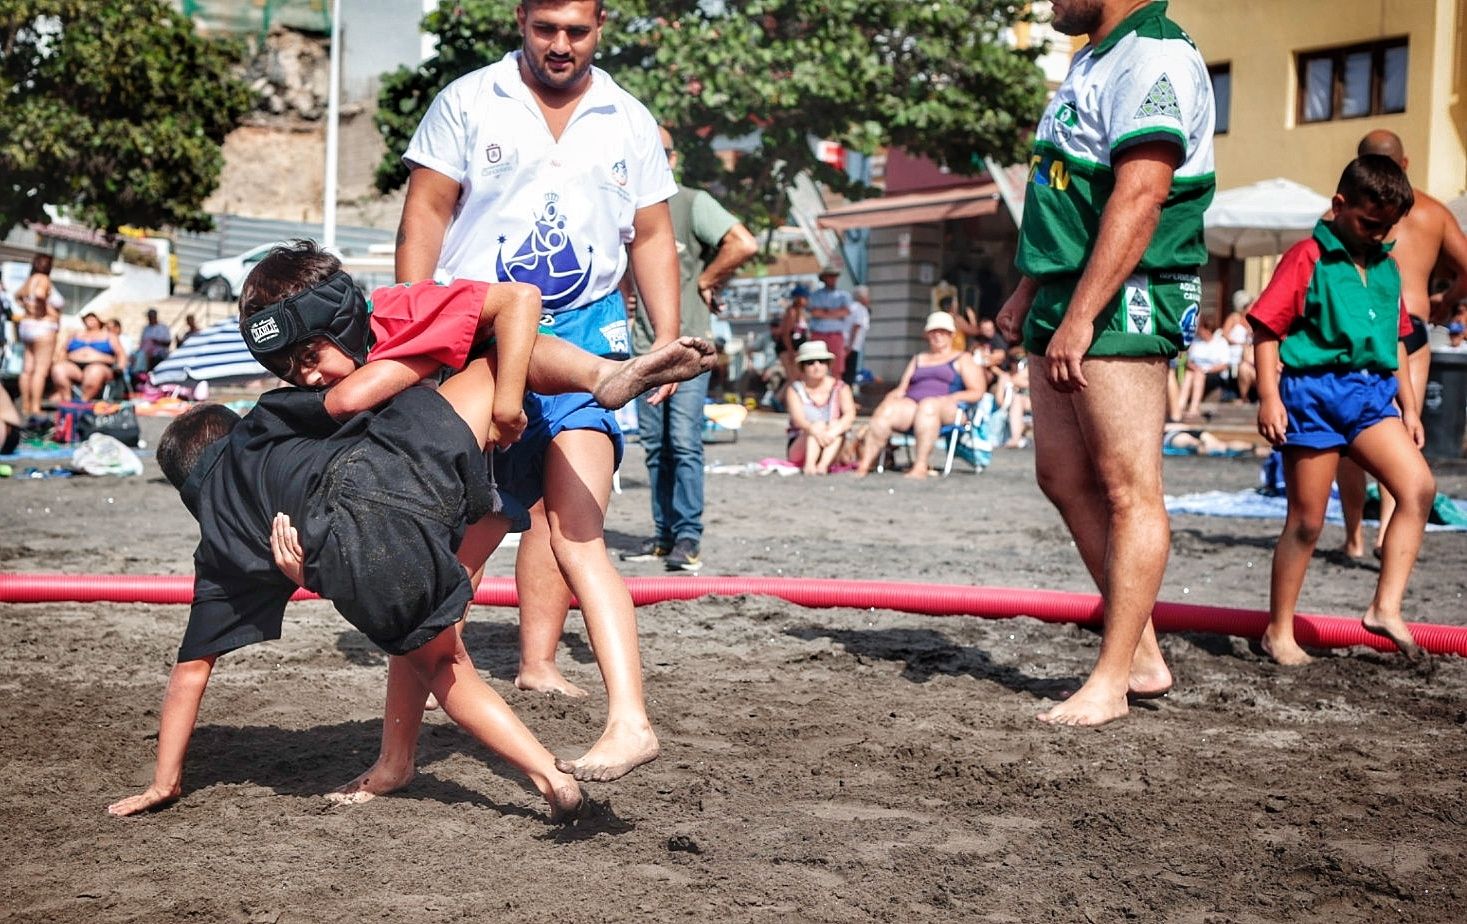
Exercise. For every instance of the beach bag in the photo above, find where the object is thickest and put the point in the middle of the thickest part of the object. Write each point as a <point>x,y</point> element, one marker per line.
<point>77,420</point>
<point>104,455</point>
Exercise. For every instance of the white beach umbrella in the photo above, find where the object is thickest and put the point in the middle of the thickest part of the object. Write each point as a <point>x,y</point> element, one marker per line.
<point>1261,219</point>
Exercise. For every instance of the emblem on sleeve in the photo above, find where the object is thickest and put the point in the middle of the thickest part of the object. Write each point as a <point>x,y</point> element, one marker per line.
<point>1161,101</point>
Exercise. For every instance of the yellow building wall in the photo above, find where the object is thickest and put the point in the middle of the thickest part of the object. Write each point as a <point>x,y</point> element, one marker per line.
<point>1260,39</point>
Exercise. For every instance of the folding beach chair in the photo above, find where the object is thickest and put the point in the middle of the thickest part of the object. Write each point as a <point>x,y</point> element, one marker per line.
<point>966,438</point>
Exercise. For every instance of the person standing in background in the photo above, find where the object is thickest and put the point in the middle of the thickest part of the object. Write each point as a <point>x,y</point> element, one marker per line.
<point>829,310</point>
<point>711,245</point>
<point>858,325</point>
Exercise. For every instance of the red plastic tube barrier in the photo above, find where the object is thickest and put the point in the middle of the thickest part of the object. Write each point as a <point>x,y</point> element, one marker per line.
<point>928,599</point>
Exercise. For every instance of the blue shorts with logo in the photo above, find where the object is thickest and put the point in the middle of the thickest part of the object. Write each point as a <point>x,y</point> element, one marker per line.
<point>1329,409</point>
<point>600,328</point>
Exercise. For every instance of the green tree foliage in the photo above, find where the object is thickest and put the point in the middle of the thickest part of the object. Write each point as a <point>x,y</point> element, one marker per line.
<point>113,110</point>
<point>934,77</point>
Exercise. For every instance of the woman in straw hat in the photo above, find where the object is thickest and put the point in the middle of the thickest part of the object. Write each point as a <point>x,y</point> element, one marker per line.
<point>821,410</point>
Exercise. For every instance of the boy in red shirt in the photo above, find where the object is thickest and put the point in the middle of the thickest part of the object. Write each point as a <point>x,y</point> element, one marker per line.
<point>1331,372</point>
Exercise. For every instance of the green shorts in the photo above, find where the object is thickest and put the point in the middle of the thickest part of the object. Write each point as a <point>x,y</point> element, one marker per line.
<point>1153,314</point>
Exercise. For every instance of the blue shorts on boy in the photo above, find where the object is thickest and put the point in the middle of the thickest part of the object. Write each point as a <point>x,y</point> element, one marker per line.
<point>1329,409</point>
<point>600,328</point>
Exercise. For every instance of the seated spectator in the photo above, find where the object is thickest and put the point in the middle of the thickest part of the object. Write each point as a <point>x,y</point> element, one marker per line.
<point>1207,368</point>
<point>1015,381</point>
<point>965,321</point>
<point>156,340</point>
<point>822,410</point>
<point>934,383</point>
<point>1456,339</point>
<point>87,358</point>
<point>990,349</point>
<point>190,327</point>
<point>129,346</point>
<point>9,424</point>
<point>1239,334</point>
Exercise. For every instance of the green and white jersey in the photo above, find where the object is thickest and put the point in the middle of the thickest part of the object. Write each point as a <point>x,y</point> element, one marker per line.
<point>1145,83</point>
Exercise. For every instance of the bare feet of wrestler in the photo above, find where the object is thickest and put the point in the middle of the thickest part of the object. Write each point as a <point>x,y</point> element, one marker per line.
<point>566,799</point>
<point>378,780</point>
<point>619,751</point>
<point>682,359</point>
<point>1150,677</point>
<point>546,679</point>
<point>1093,704</point>
<point>153,797</point>
<point>1284,650</point>
<point>1393,627</point>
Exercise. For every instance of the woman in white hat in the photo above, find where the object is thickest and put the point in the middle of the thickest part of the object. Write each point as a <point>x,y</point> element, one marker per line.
<point>821,408</point>
<point>926,399</point>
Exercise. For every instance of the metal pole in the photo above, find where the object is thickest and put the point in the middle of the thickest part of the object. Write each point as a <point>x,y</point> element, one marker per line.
<point>333,130</point>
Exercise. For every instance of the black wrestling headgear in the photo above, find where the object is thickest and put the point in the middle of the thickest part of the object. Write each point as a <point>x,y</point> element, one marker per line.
<point>334,309</point>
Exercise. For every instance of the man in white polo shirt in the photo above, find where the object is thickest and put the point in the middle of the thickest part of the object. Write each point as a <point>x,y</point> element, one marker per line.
<point>1121,172</point>
<point>540,169</point>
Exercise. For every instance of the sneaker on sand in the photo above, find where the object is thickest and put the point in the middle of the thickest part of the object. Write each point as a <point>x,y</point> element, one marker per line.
<point>649,550</point>
<point>683,557</point>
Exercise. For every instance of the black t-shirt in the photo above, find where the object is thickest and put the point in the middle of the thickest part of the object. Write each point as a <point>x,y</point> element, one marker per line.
<point>271,463</point>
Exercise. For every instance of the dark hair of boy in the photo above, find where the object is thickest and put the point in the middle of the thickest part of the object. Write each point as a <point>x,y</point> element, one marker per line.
<point>1377,179</point>
<point>285,271</point>
<point>186,438</point>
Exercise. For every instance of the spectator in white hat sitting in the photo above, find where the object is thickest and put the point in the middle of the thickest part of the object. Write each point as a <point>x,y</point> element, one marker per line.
<point>935,382</point>
<point>821,408</point>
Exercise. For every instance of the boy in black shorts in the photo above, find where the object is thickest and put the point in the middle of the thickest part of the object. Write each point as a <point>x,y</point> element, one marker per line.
<point>381,503</point>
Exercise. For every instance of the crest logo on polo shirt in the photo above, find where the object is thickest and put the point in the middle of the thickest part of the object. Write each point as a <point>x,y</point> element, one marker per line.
<point>619,172</point>
<point>493,153</point>
<point>1066,120</point>
<point>547,260</point>
<point>263,331</point>
<point>1160,101</point>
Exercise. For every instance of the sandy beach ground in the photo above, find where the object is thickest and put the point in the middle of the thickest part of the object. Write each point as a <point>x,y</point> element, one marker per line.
<point>818,765</point>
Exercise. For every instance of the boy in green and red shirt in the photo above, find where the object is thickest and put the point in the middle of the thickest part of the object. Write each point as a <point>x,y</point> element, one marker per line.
<point>1331,372</point>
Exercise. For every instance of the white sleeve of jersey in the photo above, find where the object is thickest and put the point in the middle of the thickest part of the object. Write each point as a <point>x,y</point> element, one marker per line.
<point>647,166</point>
<point>1161,93</point>
<point>441,140</point>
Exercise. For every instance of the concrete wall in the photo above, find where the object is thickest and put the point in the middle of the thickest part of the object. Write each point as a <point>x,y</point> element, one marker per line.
<point>1261,39</point>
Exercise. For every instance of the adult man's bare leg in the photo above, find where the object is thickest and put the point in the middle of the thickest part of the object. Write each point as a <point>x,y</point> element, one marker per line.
<point>545,600</point>
<point>578,467</point>
<point>1111,499</point>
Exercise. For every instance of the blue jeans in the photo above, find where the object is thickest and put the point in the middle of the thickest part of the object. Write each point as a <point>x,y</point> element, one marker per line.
<point>672,435</point>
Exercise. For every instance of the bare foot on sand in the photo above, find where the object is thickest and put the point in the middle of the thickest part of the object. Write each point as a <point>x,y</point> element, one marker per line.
<point>1393,628</point>
<point>151,798</point>
<point>1150,683</point>
<point>1150,677</point>
<point>546,679</point>
<point>619,752</point>
<point>1090,706</point>
<point>566,800</point>
<point>1284,650</point>
<point>680,360</point>
<point>919,474</point>
<point>378,780</point>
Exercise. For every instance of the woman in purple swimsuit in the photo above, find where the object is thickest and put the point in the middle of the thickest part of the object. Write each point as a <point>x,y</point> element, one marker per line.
<point>926,399</point>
